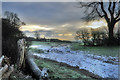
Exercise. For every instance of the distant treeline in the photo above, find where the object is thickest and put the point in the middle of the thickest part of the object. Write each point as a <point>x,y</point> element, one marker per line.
<point>97,37</point>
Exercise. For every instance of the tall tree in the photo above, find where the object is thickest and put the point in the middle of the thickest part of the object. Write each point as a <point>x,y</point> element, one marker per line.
<point>110,11</point>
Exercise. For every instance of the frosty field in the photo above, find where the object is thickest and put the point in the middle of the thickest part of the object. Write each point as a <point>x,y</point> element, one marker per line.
<point>101,65</point>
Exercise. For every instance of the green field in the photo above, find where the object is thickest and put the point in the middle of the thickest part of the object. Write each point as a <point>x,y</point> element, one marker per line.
<point>48,43</point>
<point>98,50</point>
<point>36,50</point>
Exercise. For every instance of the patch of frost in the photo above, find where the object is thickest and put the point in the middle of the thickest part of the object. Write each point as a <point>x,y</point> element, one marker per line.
<point>90,62</point>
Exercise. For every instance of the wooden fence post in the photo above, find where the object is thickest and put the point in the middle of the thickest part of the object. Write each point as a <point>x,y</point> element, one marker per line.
<point>21,53</point>
<point>26,59</point>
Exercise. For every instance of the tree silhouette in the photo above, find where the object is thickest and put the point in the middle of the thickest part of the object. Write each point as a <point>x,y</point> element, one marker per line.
<point>110,11</point>
<point>97,36</point>
<point>37,35</point>
<point>83,34</point>
<point>10,35</point>
<point>13,19</point>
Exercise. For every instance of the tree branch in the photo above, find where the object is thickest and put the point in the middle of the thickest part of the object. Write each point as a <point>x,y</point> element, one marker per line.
<point>90,4</point>
<point>105,13</point>
<point>109,8</point>
<point>118,14</point>
<point>117,20</point>
<point>99,13</point>
<point>113,9</point>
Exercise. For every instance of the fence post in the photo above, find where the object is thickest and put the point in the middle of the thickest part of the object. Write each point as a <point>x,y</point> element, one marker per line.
<point>26,60</point>
<point>21,53</point>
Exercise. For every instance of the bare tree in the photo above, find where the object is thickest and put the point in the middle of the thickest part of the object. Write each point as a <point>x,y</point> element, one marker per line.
<point>110,11</point>
<point>37,34</point>
<point>83,34</point>
<point>13,19</point>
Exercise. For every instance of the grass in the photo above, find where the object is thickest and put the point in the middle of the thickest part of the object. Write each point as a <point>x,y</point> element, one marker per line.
<point>57,70</point>
<point>48,43</point>
<point>43,43</point>
<point>98,50</point>
<point>36,50</point>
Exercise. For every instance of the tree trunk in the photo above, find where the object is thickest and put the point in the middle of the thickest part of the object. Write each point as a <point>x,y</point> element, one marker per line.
<point>111,28</point>
<point>34,69</point>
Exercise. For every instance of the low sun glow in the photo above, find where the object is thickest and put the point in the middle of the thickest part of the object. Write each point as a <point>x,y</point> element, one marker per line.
<point>62,28</point>
<point>97,24</point>
<point>34,28</point>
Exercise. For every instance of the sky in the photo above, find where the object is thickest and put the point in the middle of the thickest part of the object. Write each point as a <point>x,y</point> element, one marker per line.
<point>58,20</point>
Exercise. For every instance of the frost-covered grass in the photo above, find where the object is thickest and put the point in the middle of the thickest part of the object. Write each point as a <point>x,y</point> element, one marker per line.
<point>98,67</point>
<point>58,70</point>
<point>104,66</point>
<point>98,50</point>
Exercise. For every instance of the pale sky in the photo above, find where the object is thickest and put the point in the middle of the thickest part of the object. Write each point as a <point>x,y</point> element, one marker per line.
<point>58,20</point>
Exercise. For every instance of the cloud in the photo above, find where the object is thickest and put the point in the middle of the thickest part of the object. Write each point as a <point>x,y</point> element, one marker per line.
<point>34,27</point>
<point>45,13</point>
<point>52,19</point>
<point>65,31</point>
